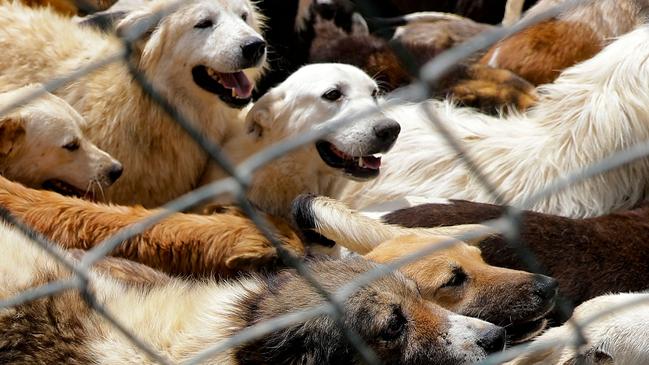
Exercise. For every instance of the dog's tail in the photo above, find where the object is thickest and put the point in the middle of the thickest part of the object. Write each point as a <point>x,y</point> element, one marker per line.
<point>419,17</point>
<point>356,232</point>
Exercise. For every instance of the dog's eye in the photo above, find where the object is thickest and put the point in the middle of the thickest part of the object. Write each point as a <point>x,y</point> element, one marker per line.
<point>395,326</point>
<point>375,93</point>
<point>205,23</point>
<point>72,146</point>
<point>332,95</point>
<point>459,277</point>
<point>244,17</point>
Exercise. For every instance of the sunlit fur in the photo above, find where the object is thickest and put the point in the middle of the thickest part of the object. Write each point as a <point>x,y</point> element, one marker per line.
<point>160,160</point>
<point>593,110</point>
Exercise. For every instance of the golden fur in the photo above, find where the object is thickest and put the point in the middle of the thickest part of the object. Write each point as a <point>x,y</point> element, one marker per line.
<point>71,7</point>
<point>182,244</point>
<point>161,161</point>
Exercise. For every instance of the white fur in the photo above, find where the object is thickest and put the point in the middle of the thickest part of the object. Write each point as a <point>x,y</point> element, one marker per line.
<point>593,110</point>
<point>50,124</point>
<point>622,336</point>
<point>160,160</point>
<point>293,108</point>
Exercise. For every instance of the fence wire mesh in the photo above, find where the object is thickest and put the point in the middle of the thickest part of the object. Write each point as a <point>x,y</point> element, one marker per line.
<point>509,225</point>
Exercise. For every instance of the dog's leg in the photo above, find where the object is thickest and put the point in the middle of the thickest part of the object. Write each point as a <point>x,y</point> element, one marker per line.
<point>358,233</point>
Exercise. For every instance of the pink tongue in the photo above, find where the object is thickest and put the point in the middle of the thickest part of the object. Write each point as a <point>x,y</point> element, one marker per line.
<point>371,162</point>
<point>237,81</point>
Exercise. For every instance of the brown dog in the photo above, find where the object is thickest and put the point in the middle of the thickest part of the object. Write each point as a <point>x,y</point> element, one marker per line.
<point>588,257</point>
<point>182,244</point>
<point>456,277</point>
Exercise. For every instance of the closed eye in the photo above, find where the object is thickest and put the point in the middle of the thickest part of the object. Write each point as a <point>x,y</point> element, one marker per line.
<point>72,146</point>
<point>205,23</point>
<point>458,278</point>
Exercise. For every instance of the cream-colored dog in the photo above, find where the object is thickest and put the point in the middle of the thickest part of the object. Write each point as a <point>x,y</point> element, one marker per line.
<point>313,98</point>
<point>203,57</point>
<point>42,146</point>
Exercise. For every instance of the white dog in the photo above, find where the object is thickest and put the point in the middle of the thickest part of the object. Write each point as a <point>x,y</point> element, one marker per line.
<point>313,98</point>
<point>180,319</point>
<point>593,110</point>
<point>42,146</point>
<point>203,57</point>
<point>619,337</point>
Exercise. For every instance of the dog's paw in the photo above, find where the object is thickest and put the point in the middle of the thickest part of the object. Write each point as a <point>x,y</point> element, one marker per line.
<point>255,252</point>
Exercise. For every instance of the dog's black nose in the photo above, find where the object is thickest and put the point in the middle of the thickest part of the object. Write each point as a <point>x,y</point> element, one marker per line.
<point>253,49</point>
<point>493,340</point>
<point>545,287</point>
<point>115,172</point>
<point>387,130</point>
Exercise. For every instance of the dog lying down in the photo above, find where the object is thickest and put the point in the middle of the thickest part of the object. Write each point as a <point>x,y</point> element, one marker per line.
<point>313,98</point>
<point>42,146</point>
<point>182,244</point>
<point>181,318</point>
<point>456,277</point>
<point>619,337</point>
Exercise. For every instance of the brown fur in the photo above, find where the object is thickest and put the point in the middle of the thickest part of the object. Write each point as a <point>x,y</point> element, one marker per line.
<point>182,244</point>
<point>489,293</point>
<point>72,7</point>
<point>588,257</point>
<point>364,51</point>
<point>540,52</point>
<point>126,271</point>
<point>12,133</point>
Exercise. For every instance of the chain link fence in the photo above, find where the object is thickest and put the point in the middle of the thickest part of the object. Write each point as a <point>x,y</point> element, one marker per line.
<point>240,177</point>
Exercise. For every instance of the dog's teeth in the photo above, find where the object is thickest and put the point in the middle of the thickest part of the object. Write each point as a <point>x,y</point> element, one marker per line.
<point>377,155</point>
<point>234,93</point>
<point>360,161</point>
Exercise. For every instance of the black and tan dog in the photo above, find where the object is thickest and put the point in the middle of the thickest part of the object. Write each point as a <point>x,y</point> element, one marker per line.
<point>456,277</point>
<point>181,318</point>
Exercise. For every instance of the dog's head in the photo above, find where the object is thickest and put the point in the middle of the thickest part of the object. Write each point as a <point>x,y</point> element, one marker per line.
<point>41,145</point>
<point>200,49</point>
<point>315,97</point>
<point>389,314</point>
<point>458,279</point>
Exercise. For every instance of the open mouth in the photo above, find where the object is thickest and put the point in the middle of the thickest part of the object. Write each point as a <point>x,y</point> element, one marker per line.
<point>64,188</point>
<point>360,167</point>
<point>233,88</point>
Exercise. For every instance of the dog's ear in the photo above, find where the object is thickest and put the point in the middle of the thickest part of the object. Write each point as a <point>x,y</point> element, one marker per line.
<point>265,111</point>
<point>140,28</point>
<point>12,132</point>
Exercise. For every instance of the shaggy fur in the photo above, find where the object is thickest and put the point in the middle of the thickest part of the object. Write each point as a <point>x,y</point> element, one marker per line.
<point>542,51</point>
<point>298,105</point>
<point>182,244</point>
<point>180,318</point>
<point>161,161</point>
<point>42,146</point>
<point>593,110</point>
<point>618,338</point>
<point>456,277</point>
<point>588,257</point>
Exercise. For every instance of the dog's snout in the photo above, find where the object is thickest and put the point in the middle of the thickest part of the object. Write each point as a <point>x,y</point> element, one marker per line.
<point>115,172</point>
<point>545,287</point>
<point>253,49</point>
<point>387,130</point>
<point>493,339</point>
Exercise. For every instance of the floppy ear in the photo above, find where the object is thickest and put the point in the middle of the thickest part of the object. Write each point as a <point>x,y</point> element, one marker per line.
<point>140,27</point>
<point>12,132</point>
<point>265,111</point>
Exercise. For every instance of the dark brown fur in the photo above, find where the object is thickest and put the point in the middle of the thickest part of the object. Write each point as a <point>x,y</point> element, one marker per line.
<point>540,52</point>
<point>72,7</point>
<point>182,244</point>
<point>588,257</point>
<point>46,331</point>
